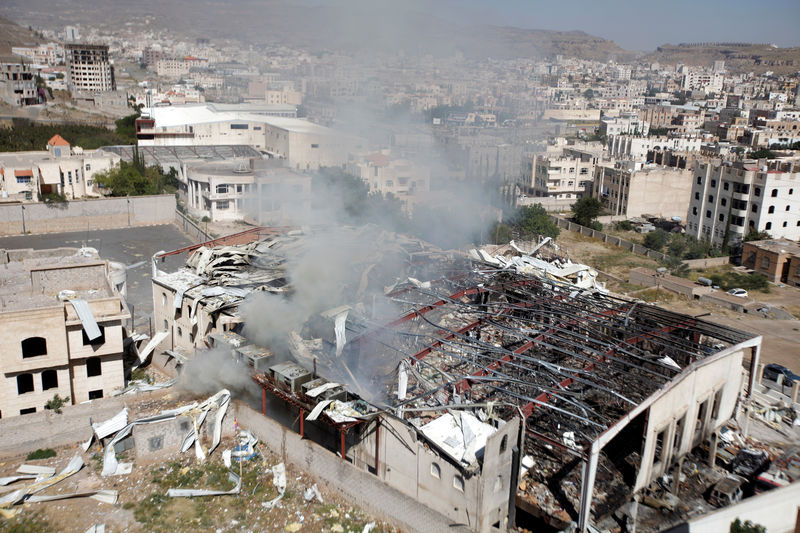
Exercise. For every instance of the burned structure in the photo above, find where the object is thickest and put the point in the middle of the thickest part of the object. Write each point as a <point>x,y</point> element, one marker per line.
<point>483,392</point>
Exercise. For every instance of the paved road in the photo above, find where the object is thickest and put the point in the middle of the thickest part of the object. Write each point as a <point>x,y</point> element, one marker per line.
<point>132,246</point>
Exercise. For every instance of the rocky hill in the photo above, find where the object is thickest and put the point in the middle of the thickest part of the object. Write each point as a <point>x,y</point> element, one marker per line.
<point>12,34</point>
<point>738,57</point>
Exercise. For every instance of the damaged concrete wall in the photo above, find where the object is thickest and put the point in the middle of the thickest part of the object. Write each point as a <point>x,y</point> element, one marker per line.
<point>153,441</point>
<point>362,488</point>
<point>47,429</point>
<point>685,414</point>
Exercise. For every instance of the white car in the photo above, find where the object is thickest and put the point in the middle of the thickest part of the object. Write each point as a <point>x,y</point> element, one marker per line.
<point>741,293</point>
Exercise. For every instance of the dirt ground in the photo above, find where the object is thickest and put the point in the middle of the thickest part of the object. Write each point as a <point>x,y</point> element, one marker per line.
<point>781,338</point>
<point>144,506</point>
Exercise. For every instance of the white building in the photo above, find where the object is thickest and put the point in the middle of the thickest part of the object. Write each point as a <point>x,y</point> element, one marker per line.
<point>271,129</point>
<point>626,123</point>
<point>27,176</point>
<point>735,198</point>
<point>629,147</point>
<point>267,193</point>
<point>404,179</point>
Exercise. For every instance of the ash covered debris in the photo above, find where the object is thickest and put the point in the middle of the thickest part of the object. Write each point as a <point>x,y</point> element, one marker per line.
<point>462,367</point>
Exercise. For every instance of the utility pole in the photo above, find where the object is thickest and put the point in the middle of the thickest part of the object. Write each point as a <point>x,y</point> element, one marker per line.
<point>23,219</point>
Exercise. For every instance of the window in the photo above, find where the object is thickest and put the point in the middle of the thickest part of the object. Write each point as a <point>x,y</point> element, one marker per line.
<point>771,209</point>
<point>23,179</point>
<point>721,217</point>
<point>710,198</point>
<point>768,225</point>
<point>180,332</point>
<point>659,453</point>
<point>314,145</point>
<point>436,471</point>
<point>697,196</point>
<point>24,383</point>
<point>223,205</point>
<point>785,223</point>
<point>725,185</point>
<point>503,443</point>
<point>774,193</point>
<point>694,211</point>
<point>49,379</point>
<point>754,208</point>
<point>69,177</point>
<point>458,483</point>
<point>389,183</point>
<point>791,191</point>
<point>93,367</point>
<point>239,126</point>
<point>97,340</point>
<point>757,191</point>
<point>239,188</point>
<point>787,207</point>
<point>713,183</point>
<point>765,262</point>
<point>166,324</point>
<point>95,394</point>
<point>699,180</point>
<point>222,189</point>
<point>708,214</point>
<point>88,167</point>
<point>33,347</point>
<point>723,201</point>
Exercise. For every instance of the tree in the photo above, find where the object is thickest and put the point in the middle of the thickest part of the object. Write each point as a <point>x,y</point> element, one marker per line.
<point>657,132</point>
<point>586,210</point>
<point>533,220</point>
<point>761,154</point>
<point>656,240</point>
<point>588,94</point>
<point>737,526</point>
<point>131,179</point>
<point>755,235</point>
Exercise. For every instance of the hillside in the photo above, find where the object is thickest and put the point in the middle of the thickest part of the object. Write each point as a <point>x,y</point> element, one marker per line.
<point>504,42</point>
<point>12,34</point>
<point>738,57</point>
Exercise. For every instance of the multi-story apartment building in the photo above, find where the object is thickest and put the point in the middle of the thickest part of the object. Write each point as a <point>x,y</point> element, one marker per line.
<point>61,326</point>
<point>172,68</point>
<point>565,176</point>
<point>626,123</point>
<point>404,179</point>
<point>732,198</point>
<point>89,68</point>
<point>17,83</point>
<point>633,190</point>
<point>627,146</point>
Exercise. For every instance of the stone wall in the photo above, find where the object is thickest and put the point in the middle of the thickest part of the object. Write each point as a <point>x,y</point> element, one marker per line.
<point>80,215</point>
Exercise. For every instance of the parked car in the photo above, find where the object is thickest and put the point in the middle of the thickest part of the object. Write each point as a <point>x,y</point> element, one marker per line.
<point>727,491</point>
<point>773,370</point>
<point>741,293</point>
<point>663,501</point>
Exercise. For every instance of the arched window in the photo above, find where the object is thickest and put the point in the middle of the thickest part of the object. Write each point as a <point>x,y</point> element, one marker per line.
<point>436,471</point>
<point>458,483</point>
<point>503,443</point>
<point>93,367</point>
<point>34,346</point>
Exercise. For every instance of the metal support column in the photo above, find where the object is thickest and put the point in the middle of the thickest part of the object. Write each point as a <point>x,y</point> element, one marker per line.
<point>377,445</point>
<point>341,432</point>
<point>753,367</point>
<point>264,401</point>
<point>587,487</point>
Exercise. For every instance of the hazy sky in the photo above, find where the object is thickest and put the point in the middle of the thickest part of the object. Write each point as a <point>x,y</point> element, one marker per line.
<point>645,24</point>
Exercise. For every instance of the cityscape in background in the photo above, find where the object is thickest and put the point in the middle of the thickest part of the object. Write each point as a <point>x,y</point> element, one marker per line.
<point>403,268</point>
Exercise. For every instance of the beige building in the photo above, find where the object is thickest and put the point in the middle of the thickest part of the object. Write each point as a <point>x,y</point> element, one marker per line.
<point>779,260</point>
<point>651,190</point>
<point>61,169</point>
<point>17,84</point>
<point>61,325</point>
<point>89,69</point>
<point>401,178</point>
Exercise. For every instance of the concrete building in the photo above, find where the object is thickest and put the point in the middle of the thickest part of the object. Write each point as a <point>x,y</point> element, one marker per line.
<point>263,191</point>
<point>634,418</point>
<point>404,179</point>
<point>628,123</point>
<point>61,323</point>
<point>271,129</point>
<point>635,190</point>
<point>559,177</point>
<point>61,169</point>
<point>779,260</point>
<point>636,148</point>
<point>89,68</point>
<point>17,83</point>
<point>172,68</point>
<point>729,200</point>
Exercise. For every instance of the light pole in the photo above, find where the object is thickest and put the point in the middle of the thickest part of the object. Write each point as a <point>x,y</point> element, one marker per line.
<point>23,219</point>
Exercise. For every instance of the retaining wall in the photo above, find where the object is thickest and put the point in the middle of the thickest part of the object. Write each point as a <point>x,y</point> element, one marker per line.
<point>360,487</point>
<point>611,239</point>
<point>707,262</point>
<point>79,215</point>
<point>195,232</point>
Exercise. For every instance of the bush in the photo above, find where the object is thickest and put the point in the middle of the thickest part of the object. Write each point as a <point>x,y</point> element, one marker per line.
<point>734,280</point>
<point>656,240</point>
<point>585,210</point>
<point>624,225</point>
<point>41,453</point>
<point>596,225</point>
<point>56,403</point>
<point>533,220</point>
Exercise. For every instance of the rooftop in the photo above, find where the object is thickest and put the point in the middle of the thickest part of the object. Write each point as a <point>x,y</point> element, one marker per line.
<point>779,246</point>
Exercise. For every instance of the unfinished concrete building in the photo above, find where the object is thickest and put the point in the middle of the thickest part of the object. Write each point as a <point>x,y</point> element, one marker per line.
<point>61,325</point>
<point>450,388</point>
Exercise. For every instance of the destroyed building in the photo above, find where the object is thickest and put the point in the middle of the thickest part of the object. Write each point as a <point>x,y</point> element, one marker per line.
<point>489,389</point>
<point>62,313</point>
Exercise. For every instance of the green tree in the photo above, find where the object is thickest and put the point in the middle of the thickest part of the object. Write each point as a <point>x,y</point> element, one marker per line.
<point>761,154</point>
<point>657,132</point>
<point>128,179</point>
<point>586,210</point>
<point>755,235</point>
<point>588,94</point>
<point>533,220</point>
<point>624,225</point>
<point>656,240</point>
